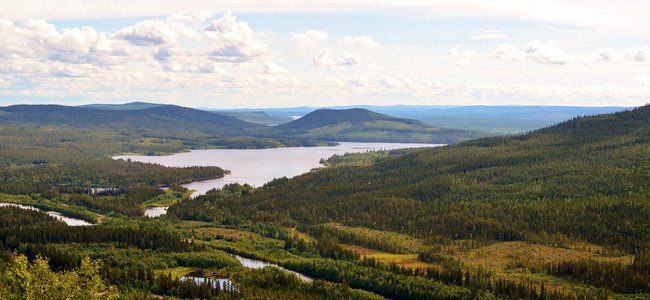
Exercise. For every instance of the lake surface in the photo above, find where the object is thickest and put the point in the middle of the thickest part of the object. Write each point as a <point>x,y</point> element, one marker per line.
<point>67,220</point>
<point>220,283</point>
<point>259,166</point>
<point>258,264</point>
<point>154,212</point>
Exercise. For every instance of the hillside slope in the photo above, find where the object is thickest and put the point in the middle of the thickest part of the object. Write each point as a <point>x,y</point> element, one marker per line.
<point>167,118</point>
<point>364,125</point>
<point>584,180</point>
<point>256,117</point>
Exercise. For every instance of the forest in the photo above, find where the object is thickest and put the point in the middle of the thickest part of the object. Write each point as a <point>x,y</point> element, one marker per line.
<point>557,213</point>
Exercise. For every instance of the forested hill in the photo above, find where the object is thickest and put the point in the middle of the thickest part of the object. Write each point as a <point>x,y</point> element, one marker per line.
<point>168,118</point>
<point>125,106</point>
<point>364,125</point>
<point>324,117</point>
<point>582,180</point>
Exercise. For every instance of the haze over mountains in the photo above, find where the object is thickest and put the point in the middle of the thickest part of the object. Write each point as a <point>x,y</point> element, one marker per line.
<point>493,119</point>
<point>329,125</point>
<point>507,119</point>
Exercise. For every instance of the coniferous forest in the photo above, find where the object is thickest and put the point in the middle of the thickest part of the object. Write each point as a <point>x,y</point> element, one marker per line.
<point>558,213</point>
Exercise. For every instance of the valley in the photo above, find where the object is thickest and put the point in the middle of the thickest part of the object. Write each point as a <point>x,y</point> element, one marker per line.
<point>557,213</point>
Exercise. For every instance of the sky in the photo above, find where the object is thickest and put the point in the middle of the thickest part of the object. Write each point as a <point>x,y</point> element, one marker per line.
<point>287,53</point>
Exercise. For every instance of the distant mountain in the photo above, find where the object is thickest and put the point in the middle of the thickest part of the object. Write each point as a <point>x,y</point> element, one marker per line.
<point>155,118</point>
<point>125,106</point>
<point>257,117</point>
<point>324,117</point>
<point>329,125</point>
<point>364,125</point>
<point>495,119</point>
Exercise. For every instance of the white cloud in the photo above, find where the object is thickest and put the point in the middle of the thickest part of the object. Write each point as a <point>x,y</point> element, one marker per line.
<point>147,33</point>
<point>607,54</point>
<point>275,81</point>
<point>618,17</point>
<point>322,59</point>
<point>535,51</point>
<point>489,35</point>
<point>461,64</point>
<point>36,45</point>
<point>455,52</point>
<point>639,55</point>
<point>233,40</point>
<point>191,64</point>
<point>331,82</point>
<point>348,59</point>
<point>308,39</point>
<point>359,81</point>
<point>508,52</point>
<point>358,41</point>
<point>464,56</point>
<point>372,69</point>
<point>272,68</point>
<point>643,80</point>
<point>204,57</point>
<point>402,83</point>
<point>632,56</point>
<point>547,53</point>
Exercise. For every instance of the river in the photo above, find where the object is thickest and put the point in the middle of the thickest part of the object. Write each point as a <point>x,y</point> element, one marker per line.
<point>258,264</point>
<point>67,220</point>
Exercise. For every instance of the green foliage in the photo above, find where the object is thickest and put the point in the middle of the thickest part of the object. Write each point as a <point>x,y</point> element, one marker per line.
<point>350,237</point>
<point>581,180</point>
<point>271,282</point>
<point>12,237</point>
<point>324,246</point>
<point>378,281</point>
<point>494,126</point>
<point>167,118</point>
<point>12,216</point>
<point>615,276</point>
<point>24,281</point>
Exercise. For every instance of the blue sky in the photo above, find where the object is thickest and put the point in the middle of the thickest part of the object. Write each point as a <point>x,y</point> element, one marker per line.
<point>235,54</point>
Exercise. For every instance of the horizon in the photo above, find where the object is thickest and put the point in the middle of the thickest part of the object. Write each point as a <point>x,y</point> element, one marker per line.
<point>250,54</point>
<point>350,106</point>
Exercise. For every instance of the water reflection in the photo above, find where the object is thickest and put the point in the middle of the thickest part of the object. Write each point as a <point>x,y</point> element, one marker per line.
<point>258,264</point>
<point>224,284</point>
<point>154,212</point>
<point>259,166</point>
<point>67,220</point>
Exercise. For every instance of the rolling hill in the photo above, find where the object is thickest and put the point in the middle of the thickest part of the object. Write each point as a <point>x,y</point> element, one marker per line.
<point>499,120</point>
<point>364,125</point>
<point>359,125</point>
<point>140,117</point>
<point>125,106</point>
<point>257,117</point>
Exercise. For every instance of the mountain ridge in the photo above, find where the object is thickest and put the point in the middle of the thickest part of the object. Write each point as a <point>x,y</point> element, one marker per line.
<point>359,124</point>
<point>156,118</point>
<point>326,125</point>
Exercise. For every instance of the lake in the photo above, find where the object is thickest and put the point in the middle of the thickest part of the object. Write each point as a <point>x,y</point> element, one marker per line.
<point>220,283</point>
<point>154,212</point>
<point>259,166</point>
